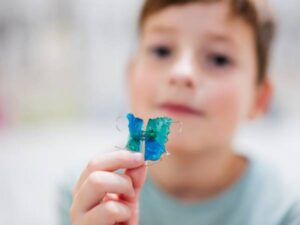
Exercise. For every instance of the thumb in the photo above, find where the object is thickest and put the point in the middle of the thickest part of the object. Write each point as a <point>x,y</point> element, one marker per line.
<point>138,177</point>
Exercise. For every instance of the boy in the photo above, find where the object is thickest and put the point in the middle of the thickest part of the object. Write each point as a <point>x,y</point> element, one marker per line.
<point>204,63</point>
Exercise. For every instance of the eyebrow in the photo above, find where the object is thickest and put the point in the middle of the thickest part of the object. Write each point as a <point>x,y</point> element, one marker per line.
<point>219,37</point>
<point>211,36</point>
<point>162,29</point>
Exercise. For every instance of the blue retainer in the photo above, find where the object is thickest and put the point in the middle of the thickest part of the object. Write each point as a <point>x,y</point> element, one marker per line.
<point>155,136</point>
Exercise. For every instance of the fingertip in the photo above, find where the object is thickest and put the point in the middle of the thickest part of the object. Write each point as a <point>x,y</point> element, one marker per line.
<point>138,157</point>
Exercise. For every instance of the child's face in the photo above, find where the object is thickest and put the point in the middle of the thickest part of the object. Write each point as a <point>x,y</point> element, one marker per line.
<point>196,63</point>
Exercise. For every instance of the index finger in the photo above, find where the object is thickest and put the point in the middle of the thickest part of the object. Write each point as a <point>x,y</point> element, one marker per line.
<point>110,162</point>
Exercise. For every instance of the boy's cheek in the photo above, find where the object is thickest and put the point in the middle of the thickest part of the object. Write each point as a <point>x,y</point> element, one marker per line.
<point>227,107</point>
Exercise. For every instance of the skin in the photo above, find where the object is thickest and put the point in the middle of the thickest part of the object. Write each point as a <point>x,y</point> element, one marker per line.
<point>209,66</point>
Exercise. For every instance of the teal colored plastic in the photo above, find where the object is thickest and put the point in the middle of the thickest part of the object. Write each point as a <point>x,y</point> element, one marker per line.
<point>155,136</point>
<point>135,133</point>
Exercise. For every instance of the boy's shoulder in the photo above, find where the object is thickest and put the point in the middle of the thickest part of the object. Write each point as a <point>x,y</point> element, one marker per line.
<point>269,178</point>
<point>271,193</point>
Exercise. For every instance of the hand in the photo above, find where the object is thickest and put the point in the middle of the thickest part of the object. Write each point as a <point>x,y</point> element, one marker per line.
<point>103,197</point>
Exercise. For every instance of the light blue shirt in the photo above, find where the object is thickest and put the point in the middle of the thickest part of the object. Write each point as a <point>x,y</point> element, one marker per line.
<point>257,198</point>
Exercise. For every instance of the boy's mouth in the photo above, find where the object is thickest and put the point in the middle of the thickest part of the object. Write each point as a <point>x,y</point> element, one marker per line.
<point>180,109</point>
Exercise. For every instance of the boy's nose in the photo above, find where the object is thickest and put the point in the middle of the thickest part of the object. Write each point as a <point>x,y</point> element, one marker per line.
<point>183,71</point>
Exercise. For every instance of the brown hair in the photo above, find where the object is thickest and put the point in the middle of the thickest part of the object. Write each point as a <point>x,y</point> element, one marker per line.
<point>255,12</point>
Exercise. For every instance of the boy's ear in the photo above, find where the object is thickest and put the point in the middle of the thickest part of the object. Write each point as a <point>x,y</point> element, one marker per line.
<point>262,99</point>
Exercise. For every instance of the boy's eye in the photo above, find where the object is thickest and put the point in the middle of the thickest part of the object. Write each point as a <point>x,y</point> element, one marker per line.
<point>219,60</point>
<point>161,51</point>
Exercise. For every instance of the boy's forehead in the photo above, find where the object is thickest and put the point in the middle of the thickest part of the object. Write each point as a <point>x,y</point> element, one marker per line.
<point>213,19</point>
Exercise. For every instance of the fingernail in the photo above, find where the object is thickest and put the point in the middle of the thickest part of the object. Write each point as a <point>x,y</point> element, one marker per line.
<point>138,156</point>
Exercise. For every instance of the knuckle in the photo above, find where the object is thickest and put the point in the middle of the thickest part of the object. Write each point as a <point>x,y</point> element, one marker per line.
<point>95,179</point>
<point>127,181</point>
<point>126,178</point>
<point>112,209</point>
<point>92,165</point>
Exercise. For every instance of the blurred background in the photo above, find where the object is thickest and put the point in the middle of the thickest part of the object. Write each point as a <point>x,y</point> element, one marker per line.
<point>62,86</point>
